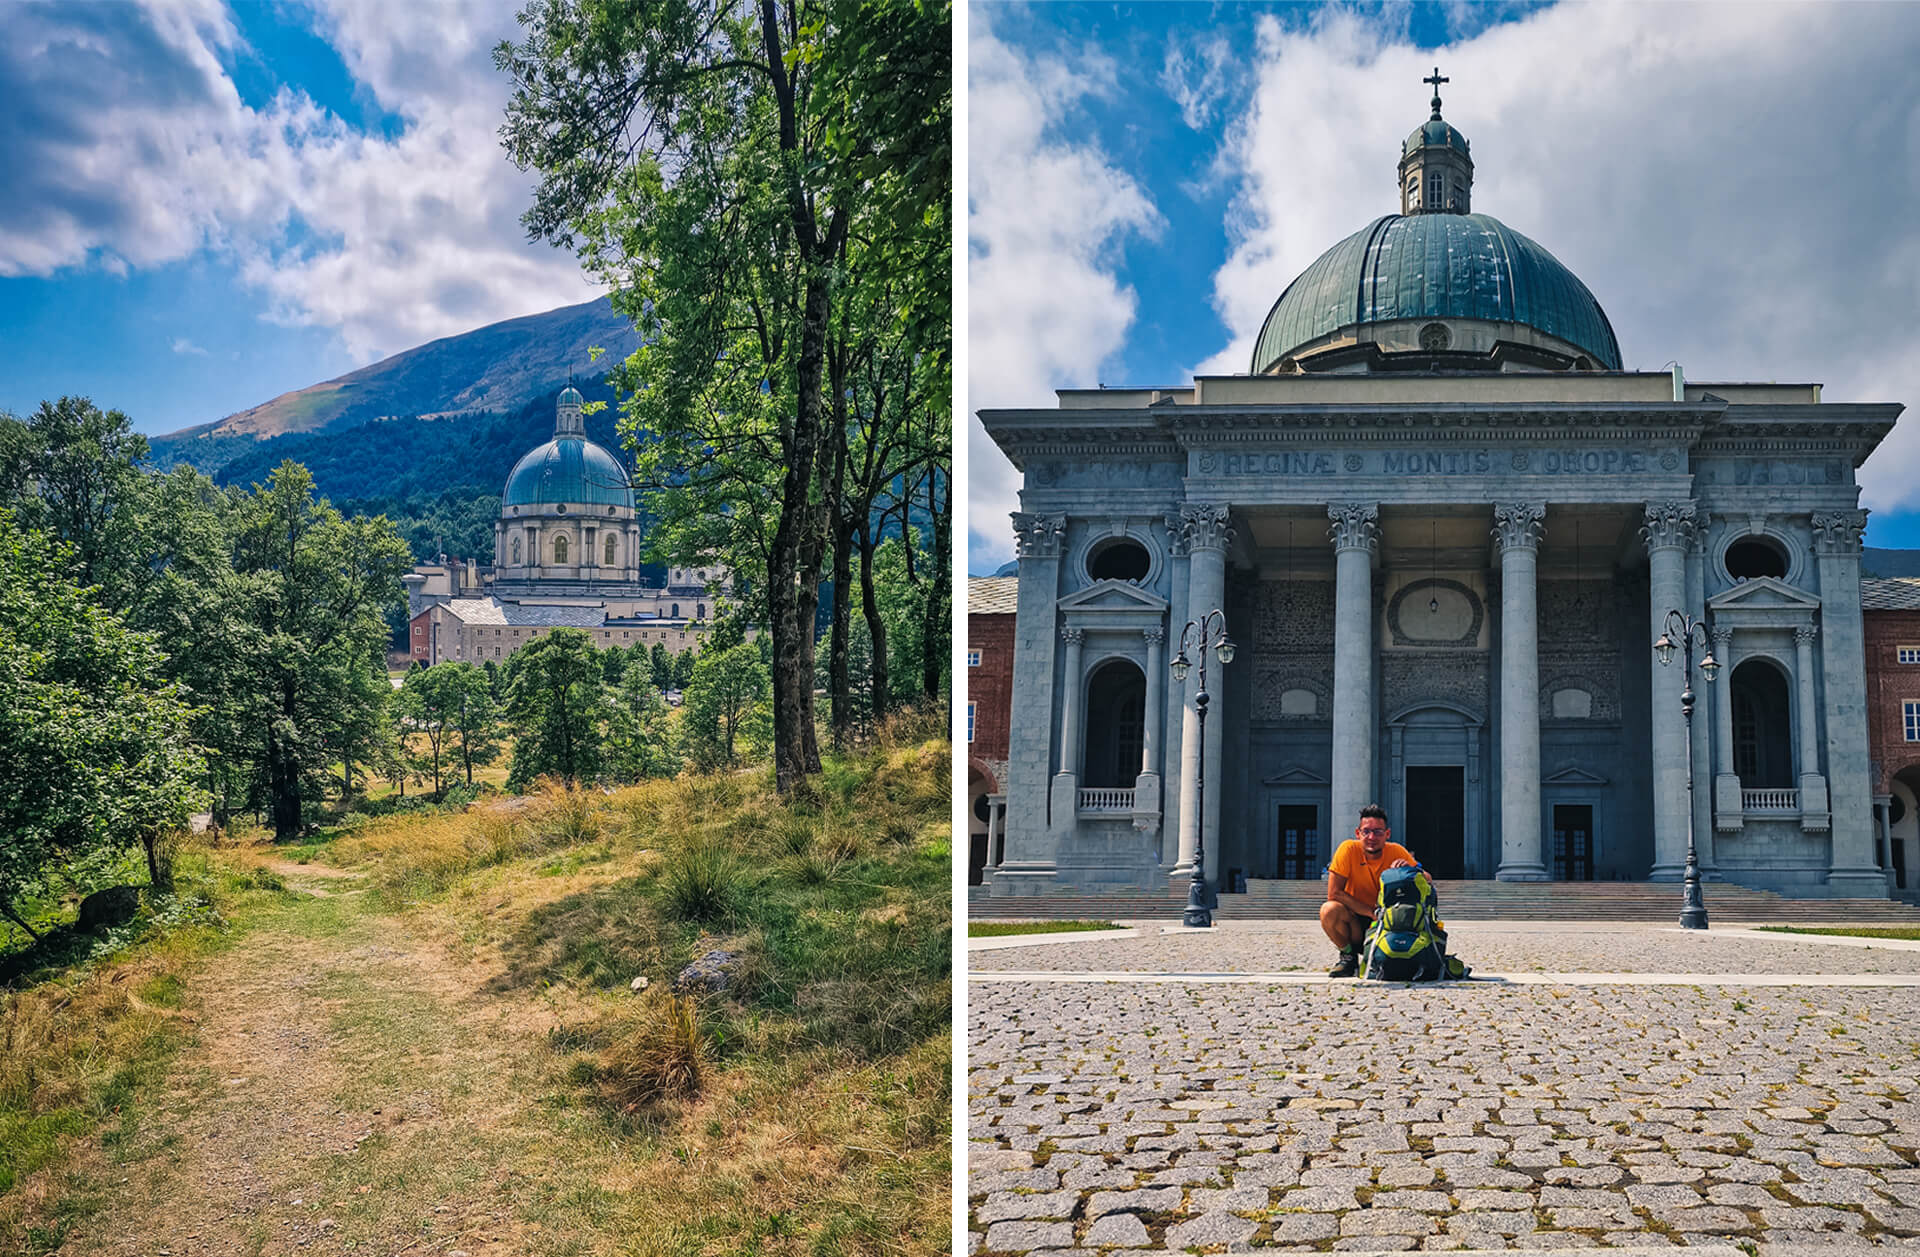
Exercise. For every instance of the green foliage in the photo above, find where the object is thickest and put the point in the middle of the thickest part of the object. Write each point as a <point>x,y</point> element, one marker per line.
<point>640,736</point>
<point>702,881</point>
<point>556,699</point>
<point>723,715</point>
<point>450,707</point>
<point>95,750</point>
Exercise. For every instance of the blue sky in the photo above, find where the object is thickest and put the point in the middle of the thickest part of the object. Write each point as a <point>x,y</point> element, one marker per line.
<point>213,204</point>
<point>1734,183</point>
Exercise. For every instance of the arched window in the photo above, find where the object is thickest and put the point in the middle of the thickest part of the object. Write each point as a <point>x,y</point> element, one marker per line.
<point>700,613</point>
<point>516,551</point>
<point>1116,725</point>
<point>1762,746</point>
<point>611,539</point>
<point>1413,192</point>
<point>1433,191</point>
<point>560,548</point>
<point>676,610</point>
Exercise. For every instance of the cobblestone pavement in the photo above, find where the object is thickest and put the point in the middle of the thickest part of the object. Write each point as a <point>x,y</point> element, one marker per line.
<point>1270,947</point>
<point>1132,1115</point>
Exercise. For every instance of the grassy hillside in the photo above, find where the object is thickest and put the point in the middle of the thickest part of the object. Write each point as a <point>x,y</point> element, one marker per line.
<point>425,1034</point>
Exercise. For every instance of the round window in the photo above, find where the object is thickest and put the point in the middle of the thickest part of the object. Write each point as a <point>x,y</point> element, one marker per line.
<point>1755,556</point>
<point>1435,337</point>
<point>980,806</point>
<point>1121,558</point>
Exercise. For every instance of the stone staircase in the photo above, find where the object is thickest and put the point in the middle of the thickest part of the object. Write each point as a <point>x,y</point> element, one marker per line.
<point>1267,900</point>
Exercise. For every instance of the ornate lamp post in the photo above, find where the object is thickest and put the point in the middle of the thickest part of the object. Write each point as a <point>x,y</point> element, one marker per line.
<point>1681,631</point>
<point>1197,913</point>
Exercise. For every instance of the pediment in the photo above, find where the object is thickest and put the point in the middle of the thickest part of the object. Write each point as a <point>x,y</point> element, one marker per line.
<point>1294,775</point>
<point>1573,775</point>
<point>1113,595</point>
<point>1763,593</point>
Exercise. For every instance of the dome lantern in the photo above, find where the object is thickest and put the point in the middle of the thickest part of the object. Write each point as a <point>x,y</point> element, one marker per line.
<point>568,422</point>
<point>1436,168</point>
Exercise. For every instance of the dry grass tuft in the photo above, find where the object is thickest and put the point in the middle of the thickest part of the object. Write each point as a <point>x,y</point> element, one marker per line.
<point>661,1059</point>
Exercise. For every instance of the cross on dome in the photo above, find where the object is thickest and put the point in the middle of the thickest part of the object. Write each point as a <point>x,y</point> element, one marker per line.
<point>1436,78</point>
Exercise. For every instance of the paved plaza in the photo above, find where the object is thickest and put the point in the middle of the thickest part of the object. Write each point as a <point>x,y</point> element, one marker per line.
<point>1612,1088</point>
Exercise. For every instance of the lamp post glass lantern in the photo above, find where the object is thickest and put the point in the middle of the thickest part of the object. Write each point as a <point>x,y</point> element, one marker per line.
<point>1200,635</point>
<point>1681,630</point>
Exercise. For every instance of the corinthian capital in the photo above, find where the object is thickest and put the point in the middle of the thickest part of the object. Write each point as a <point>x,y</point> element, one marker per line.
<point>1038,536</point>
<point>1353,525</point>
<point>1518,525</point>
<point>1204,526</point>
<point>1669,525</point>
<point>1838,532</point>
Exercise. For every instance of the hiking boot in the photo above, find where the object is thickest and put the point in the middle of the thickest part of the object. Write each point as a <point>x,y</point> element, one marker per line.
<point>1348,967</point>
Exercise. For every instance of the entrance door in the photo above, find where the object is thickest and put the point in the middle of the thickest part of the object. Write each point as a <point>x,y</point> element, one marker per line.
<point>1436,821</point>
<point>1299,841</point>
<point>1573,842</point>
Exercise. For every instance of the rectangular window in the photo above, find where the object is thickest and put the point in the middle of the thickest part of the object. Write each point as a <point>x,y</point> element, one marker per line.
<point>1910,736</point>
<point>973,658</point>
<point>1909,654</point>
<point>1911,710</point>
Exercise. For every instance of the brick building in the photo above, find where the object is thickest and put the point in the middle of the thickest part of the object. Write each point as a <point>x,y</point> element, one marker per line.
<point>989,700</point>
<point>476,630</point>
<point>1890,610</point>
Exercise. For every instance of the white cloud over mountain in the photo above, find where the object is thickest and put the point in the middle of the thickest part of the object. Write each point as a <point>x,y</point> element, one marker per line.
<point>129,146</point>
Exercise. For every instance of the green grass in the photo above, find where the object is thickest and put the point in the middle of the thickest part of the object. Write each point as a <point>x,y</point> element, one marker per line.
<point>995,929</point>
<point>1908,932</point>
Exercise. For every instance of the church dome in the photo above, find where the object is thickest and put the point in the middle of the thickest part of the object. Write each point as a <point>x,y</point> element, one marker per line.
<point>1435,133</point>
<point>569,469</point>
<point>1434,266</point>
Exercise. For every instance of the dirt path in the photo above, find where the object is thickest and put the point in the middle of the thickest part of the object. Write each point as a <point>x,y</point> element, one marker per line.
<point>348,1090</point>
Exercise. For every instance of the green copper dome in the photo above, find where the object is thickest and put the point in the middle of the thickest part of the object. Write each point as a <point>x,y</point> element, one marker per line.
<point>1436,266</point>
<point>567,469</point>
<point>1435,133</point>
<point>570,396</point>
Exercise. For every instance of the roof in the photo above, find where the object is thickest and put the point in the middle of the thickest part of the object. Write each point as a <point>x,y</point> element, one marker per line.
<point>992,595</point>
<point>567,469</point>
<point>1416,266</point>
<point>1895,593</point>
<point>1434,133</point>
<point>492,611</point>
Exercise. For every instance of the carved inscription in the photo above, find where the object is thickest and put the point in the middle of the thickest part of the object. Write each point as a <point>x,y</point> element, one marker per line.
<point>1775,471</point>
<point>1315,465</point>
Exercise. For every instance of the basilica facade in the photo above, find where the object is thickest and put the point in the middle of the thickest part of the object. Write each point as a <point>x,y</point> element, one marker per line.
<point>566,554</point>
<point>1444,527</point>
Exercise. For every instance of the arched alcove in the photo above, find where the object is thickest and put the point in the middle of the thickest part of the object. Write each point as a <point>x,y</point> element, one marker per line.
<point>1762,720</point>
<point>1116,725</point>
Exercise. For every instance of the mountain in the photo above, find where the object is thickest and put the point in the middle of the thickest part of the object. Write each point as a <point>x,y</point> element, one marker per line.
<point>499,368</point>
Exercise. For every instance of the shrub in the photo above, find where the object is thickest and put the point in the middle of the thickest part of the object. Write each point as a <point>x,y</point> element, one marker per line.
<point>701,881</point>
<point>565,815</point>
<point>660,1060</point>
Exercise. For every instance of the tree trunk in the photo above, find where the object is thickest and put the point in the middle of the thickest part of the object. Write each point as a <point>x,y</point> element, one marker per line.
<point>283,774</point>
<point>154,878</point>
<point>15,918</point>
<point>876,627</point>
<point>932,658</point>
<point>838,683</point>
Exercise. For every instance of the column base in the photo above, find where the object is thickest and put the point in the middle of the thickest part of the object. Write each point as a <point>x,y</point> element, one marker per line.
<point>1859,883</point>
<point>1017,880</point>
<point>1064,802</point>
<point>1728,814</point>
<point>1675,872</point>
<point>1522,871</point>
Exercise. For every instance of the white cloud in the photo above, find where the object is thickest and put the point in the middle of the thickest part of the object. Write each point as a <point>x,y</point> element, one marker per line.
<point>181,345</point>
<point>387,241</point>
<point>1733,182</point>
<point>1045,220</point>
<point>1196,74</point>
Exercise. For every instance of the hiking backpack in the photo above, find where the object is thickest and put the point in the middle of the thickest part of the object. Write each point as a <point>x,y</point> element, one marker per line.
<point>1406,943</point>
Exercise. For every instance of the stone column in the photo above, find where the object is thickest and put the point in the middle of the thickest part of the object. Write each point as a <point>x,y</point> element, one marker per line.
<point>1208,534</point>
<point>1070,704</point>
<point>1667,532</point>
<point>1354,529</point>
<point>1171,813</point>
<point>996,814</point>
<point>1516,528</point>
<point>1146,787</point>
<point>1030,847</point>
<point>1836,542</point>
<point>1701,750</point>
<point>1728,815</point>
<point>1813,783</point>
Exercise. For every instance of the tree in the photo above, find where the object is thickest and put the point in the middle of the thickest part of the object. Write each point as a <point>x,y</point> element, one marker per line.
<point>422,708</point>
<point>683,666</point>
<point>723,706</point>
<point>710,158</point>
<point>557,700</point>
<point>94,746</point>
<point>312,593</point>
<point>84,466</point>
<point>660,662</point>
<point>640,737</point>
<point>473,715</point>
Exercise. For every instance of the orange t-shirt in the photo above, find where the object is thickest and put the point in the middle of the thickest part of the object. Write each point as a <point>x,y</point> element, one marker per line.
<point>1362,873</point>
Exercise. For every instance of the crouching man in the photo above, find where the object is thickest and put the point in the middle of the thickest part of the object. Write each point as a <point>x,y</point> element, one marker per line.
<point>1353,886</point>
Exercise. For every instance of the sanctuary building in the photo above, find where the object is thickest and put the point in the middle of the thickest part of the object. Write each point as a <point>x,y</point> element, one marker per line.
<point>1445,527</point>
<point>566,553</point>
